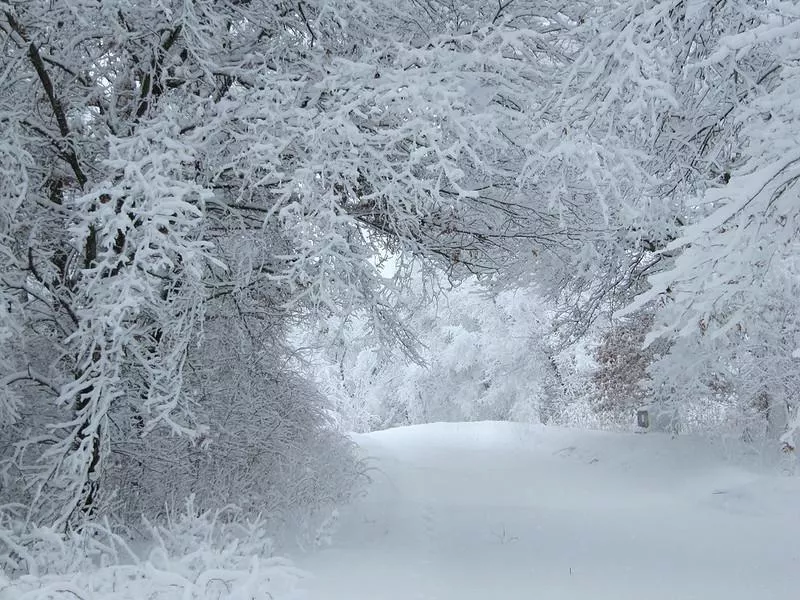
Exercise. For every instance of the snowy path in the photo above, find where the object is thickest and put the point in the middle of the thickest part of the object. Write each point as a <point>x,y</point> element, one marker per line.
<point>502,511</point>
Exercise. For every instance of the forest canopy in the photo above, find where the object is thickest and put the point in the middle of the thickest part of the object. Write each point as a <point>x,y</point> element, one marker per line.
<point>186,185</point>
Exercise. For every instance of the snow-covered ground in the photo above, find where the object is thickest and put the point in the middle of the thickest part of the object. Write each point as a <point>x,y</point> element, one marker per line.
<point>503,511</point>
<point>490,511</point>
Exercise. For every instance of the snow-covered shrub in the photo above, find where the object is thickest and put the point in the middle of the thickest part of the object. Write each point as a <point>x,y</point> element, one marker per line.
<point>194,555</point>
<point>621,375</point>
<point>268,444</point>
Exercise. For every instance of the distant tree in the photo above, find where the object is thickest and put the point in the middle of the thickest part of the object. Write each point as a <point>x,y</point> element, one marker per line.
<point>483,356</point>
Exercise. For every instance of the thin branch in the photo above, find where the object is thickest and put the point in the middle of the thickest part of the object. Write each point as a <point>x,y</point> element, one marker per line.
<point>29,375</point>
<point>501,7</point>
<point>308,25</point>
<point>49,288</point>
<point>55,103</point>
<point>151,86</point>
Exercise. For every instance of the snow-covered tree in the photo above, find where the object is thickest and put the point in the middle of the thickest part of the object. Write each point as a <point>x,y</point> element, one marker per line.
<point>167,164</point>
<point>687,110</point>
<point>483,356</point>
<point>735,276</point>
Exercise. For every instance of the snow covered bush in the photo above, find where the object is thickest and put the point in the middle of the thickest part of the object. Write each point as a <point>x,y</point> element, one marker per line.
<point>621,376</point>
<point>194,555</point>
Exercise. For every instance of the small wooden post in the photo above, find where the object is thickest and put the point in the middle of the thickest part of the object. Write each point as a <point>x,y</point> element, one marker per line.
<point>643,418</point>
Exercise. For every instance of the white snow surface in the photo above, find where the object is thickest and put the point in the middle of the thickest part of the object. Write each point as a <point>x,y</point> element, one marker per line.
<point>507,511</point>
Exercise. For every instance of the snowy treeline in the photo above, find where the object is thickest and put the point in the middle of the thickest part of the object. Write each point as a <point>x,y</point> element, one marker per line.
<point>665,144</point>
<point>184,184</point>
<point>488,355</point>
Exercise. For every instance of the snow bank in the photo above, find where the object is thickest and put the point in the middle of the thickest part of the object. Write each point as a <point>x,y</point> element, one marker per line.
<point>471,511</point>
